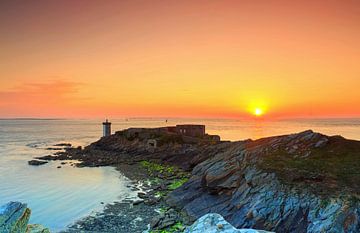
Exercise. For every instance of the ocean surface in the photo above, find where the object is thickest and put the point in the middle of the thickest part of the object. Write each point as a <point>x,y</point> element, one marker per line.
<point>60,196</point>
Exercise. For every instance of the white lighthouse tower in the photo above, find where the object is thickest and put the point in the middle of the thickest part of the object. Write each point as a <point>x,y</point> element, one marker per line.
<point>106,128</point>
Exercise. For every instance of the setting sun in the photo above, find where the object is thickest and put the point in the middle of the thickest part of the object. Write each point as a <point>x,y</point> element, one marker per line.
<point>258,112</point>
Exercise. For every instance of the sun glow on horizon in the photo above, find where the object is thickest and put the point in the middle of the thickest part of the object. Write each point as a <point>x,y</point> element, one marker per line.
<point>258,112</point>
<point>258,106</point>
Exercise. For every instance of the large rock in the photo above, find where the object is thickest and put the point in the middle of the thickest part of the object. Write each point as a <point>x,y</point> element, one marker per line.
<point>305,182</point>
<point>215,223</point>
<point>14,217</point>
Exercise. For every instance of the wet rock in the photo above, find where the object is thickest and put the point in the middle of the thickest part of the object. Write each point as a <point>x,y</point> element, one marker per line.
<point>63,144</point>
<point>156,220</point>
<point>142,195</point>
<point>14,217</point>
<point>165,220</point>
<point>48,157</point>
<point>151,200</point>
<point>37,228</point>
<point>53,148</point>
<point>137,202</point>
<point>36,162</point>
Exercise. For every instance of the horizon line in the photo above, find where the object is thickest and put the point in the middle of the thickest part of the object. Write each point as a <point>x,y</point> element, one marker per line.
<point>166,118</point>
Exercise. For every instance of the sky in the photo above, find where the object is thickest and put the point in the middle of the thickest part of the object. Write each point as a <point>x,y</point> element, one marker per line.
<point>179,58</point>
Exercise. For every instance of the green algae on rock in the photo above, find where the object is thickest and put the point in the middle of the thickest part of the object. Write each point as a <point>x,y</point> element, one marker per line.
<point>14,218</point>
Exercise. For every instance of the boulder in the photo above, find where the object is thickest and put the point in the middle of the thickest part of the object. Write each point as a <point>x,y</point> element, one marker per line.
<point>14,217</point>
<point>215,223</point>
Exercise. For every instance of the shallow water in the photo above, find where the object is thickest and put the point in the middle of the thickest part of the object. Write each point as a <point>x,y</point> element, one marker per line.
<point>58,197</point>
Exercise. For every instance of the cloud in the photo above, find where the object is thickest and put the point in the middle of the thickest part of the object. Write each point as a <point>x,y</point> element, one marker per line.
<point>36,97</point>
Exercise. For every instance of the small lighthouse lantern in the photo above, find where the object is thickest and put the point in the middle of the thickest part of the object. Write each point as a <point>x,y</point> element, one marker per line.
<point>106,128</point>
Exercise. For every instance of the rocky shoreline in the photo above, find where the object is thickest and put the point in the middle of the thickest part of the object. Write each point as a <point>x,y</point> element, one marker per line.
<point>305,182</point>
<point>148,211</point>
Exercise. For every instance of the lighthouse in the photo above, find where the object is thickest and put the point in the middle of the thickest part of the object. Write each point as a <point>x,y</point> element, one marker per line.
<point>106,128</point>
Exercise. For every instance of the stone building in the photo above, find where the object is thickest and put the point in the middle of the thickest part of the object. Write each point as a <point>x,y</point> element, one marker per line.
<point>191,130</point>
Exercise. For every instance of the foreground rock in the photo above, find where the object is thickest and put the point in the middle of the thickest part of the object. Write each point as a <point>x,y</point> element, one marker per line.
<point>37,228</point>
<point>14,218</point>
<point>215,223</point>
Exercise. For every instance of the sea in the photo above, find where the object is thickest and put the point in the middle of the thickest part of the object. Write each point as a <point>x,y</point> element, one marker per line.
<point>60,196</point>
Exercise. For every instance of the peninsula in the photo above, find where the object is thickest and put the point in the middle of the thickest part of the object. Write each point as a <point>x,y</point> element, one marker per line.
<point>302,182</point>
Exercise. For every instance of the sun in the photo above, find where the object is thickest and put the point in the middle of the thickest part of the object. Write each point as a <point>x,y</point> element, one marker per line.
<point>258,112</point>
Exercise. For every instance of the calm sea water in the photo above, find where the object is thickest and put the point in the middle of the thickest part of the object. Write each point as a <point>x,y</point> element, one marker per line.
<point>58,197</point>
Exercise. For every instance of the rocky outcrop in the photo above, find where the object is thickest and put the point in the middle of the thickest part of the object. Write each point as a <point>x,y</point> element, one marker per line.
<point>272,184</point>
<point>128,147</point>
<point>14,218</point>
<point>215,223</point>
<point>304,182</point>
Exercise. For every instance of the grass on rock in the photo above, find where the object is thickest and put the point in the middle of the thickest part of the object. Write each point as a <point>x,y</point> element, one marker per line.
<point>177,227</point>
<point>177,183</point>
<point>328,170</point>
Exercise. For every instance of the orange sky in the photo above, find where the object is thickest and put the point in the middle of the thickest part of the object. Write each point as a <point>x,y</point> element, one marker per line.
<point>179,58</point>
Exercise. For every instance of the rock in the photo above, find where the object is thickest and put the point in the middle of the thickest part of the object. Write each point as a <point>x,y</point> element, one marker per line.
<point>276,183</point>
<point>14,217</point>
<point>137,202</point>
<point>142,195</point>
<point>37,228</point>
<point>58,167</point>
<point>48,157</point>
<point>151,201</point>
<point>63,163</point>
<point>53,148</point>
<point>321,143</point>
<point>248,185</point>
<point>36,162</point>
<point>63,144</point>
<point>155,221</point>
<point>215,223</point>
<point>164,220</point>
